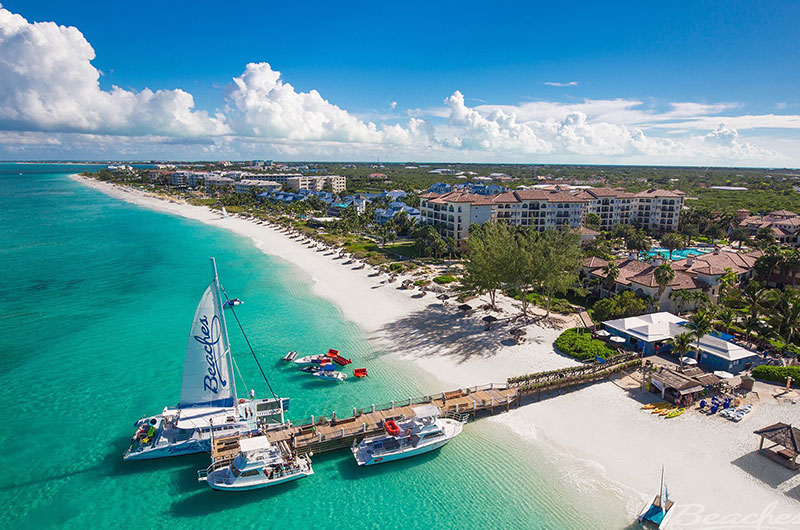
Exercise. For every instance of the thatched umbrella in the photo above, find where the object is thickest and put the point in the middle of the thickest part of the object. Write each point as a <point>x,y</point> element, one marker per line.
<point>443,297</point>
<point>518,332</point>
<point>489,319</point>
<point>465,307</point>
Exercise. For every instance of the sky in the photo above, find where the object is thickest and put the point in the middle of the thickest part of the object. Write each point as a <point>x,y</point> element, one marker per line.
<point>661,83</point>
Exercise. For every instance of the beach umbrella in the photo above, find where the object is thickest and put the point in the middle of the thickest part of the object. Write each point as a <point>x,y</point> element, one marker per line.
<point>443,297</point>
<point>489,318</point>
<point>518,332</point>
<point>618,340</point>
<point>465,307</point>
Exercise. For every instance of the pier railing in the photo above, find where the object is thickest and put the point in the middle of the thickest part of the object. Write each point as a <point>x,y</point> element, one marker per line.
<point>574,375</point>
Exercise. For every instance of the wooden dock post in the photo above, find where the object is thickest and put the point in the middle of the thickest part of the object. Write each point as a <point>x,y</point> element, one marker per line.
<point>456,408</point>
<point>373,408</point>
<point>333,415</point>
<point>342,432</point>
<point>409,401</point>
<point>312,420</point>
<point>354,411</point>
<point>363,427</point>
<point>392,403</point>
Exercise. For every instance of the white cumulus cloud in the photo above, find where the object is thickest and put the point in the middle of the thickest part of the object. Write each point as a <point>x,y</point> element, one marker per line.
<point>47,82</point>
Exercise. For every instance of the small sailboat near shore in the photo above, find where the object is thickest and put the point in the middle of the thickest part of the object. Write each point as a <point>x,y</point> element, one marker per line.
<point>209,405</point>
<point>658,513</point>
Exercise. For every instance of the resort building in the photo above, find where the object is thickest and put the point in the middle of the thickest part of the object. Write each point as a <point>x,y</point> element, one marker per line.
<point>785,225</point>
<point>256,186</point>
<point>452,213</point>
<point>655,210</point>
<point>214,183</point>
<point>693,274</point>
<point>337,183</point>
<point>383,215</point>
<point>650,334</point>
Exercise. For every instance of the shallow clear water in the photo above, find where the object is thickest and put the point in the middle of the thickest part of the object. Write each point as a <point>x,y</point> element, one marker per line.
<point>96,300</point>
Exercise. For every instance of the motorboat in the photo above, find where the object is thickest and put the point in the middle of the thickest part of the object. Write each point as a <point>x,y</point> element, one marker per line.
<point>209,405</point>
<point>313,359</point>
<point>259,464</point>
<point>423,433</point>
<point>330,375</point>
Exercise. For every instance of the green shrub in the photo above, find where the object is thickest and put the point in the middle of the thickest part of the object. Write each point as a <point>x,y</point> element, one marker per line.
<point>420,282</point>
<point>621,305</point>
<point>778,374</point>
<point>579,344</point>
<point>444,278</point>
<point>395,267</point>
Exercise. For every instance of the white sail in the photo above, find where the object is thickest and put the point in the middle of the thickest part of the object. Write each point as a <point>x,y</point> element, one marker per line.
<point>206,381</point>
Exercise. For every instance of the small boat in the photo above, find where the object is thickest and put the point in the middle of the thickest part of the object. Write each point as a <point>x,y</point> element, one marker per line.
<point>650,406</point>
<point>677,412</point>
<point>290,356</point>
<point>423,433</point>
<point>657,513</point>
<point>233,302</point>
<point>330,375</point>
<point>313,359</point>
<point>360,372</point>
<point>666,411</point>
<point>259,464</point>
<point>310,369</point>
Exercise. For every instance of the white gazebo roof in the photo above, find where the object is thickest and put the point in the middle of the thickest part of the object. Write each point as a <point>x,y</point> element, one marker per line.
<point>722,348</point>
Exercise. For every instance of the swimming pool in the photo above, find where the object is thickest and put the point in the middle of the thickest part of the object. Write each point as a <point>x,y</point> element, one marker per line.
<point>677,254</point>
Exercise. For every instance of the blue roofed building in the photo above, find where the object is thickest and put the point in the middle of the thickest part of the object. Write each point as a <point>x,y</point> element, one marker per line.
<point>382,215</point>
<point>440,187</point>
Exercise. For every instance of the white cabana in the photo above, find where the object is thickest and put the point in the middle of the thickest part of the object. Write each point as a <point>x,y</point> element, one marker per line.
<point>724,375</point>
<point>602,333</point>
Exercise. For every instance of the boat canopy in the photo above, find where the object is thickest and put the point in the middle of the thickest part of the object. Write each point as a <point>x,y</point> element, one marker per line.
<point>202,417</point>
<point>426,411</point>
<point>256,443</point>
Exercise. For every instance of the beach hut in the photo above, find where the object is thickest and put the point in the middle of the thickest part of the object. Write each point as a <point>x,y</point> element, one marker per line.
<point>675,386</point>
<point>785,446</point>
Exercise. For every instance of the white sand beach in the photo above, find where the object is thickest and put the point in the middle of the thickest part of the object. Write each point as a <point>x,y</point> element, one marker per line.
<point>599,431</point>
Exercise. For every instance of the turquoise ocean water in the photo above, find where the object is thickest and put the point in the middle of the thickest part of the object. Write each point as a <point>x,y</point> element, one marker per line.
<point>96,300</point>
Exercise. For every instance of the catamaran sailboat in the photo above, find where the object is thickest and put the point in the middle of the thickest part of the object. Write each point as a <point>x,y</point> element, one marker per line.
<point>259,464</point>
<point>209,403</point>
<point>657,513</point>
<point>421,434</point>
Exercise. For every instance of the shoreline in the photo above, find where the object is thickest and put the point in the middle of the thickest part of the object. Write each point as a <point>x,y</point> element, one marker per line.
<point>610,444</point>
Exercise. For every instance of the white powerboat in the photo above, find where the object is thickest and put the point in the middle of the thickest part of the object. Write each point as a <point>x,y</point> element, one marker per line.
<point>424,433</point>
<point>209,403</point>
<point>259,464</point>
<point>313,359</point>
<point>330,375</point>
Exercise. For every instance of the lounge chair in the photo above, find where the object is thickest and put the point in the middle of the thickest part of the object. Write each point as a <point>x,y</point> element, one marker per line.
<point>702,404</point>
<point>714,408</point>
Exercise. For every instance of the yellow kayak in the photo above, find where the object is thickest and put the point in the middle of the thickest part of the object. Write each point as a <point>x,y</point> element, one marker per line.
<point>668,410</point>
<point>654,405</point>
<point>676,413</point>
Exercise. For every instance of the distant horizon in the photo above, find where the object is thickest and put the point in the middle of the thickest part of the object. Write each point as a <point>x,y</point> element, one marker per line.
<point>342,162</point>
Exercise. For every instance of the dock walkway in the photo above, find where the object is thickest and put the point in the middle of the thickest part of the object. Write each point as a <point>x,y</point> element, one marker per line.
<point>330,433</point>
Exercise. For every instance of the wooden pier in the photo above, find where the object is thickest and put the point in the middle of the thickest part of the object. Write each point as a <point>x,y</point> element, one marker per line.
<point>322,434</point>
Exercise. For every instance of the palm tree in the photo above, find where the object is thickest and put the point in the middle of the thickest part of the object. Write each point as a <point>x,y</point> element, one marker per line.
<point>663,275</point>
<point>672,241</point>
<point>682,345</point>
<point>611,271</point>
<point>726,317</point>
<point>750,323</point>
<point>755,296</point>
<point>703,322</point>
